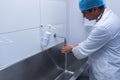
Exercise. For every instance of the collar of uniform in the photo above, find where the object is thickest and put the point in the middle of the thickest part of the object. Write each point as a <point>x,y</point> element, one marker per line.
<point>99,17</point>
<point>104,16</point>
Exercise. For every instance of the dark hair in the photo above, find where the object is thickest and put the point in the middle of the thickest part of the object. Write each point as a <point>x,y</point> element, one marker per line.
<point>100,7</point>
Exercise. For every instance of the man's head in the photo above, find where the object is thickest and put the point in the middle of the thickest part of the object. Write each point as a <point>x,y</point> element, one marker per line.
<point>91,9</point>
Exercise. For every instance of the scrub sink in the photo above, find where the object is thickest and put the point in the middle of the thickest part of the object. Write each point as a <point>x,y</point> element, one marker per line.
<point>46,65</point>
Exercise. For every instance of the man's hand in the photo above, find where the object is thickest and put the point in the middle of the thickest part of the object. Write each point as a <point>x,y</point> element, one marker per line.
<point>67,48</point>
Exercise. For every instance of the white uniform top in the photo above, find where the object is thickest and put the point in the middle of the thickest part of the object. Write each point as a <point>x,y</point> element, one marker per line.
<point>103,48</point>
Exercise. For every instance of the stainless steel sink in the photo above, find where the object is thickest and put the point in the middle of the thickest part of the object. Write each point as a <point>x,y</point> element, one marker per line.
<point>46,65</point>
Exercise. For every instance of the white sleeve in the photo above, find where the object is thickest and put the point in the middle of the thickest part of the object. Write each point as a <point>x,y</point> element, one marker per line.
<point>96,40</point>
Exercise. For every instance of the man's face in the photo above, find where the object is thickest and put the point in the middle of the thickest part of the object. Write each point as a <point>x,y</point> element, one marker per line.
<point>90,15</point>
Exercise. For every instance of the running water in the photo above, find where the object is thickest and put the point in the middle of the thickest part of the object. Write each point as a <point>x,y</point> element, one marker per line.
<point>66,73</point>
<point>66,64</point>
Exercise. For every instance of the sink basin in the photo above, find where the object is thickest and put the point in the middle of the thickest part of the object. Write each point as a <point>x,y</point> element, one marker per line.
<point>46,65</point>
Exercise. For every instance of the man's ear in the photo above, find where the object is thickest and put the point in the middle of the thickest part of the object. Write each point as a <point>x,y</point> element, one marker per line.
<point>95,9</point>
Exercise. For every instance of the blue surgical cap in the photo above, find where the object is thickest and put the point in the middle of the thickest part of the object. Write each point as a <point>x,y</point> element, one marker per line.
<point>88,4</point>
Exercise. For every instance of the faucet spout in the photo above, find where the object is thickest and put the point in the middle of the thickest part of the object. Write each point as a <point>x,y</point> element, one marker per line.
<point>65,40</point>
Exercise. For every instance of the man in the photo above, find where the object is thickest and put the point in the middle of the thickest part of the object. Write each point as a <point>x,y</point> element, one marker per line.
<point>102,47</point>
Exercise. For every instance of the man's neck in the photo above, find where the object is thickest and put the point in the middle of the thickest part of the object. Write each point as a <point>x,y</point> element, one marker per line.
<point>100,14</point>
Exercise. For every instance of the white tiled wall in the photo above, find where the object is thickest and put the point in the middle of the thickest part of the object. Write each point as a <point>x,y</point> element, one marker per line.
<point>19,14</point>
<point>53,11</point>
<point>19,45</point>
<point>77,32</point>
<point>114,5</point>
<point>20,34</point>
